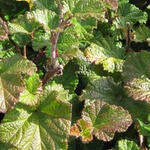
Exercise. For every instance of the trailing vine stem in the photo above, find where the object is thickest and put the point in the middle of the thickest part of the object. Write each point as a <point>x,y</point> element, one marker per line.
<point>62,25</point>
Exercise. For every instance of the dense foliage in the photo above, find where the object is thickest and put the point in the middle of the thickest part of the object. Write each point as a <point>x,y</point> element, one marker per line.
<point>74,74</point>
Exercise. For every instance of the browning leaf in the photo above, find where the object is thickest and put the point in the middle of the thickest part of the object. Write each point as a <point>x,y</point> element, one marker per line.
<point>102,120</point>
<point>11,82</point>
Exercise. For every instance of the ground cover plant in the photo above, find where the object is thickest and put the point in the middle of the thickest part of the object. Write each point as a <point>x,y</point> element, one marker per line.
<point>74,74</point>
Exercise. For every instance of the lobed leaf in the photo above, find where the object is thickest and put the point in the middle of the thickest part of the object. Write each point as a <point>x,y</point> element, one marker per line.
<point>139,89</point>
<point>129,13</point>
<point>102,120</point>
<point>107,54</point>
<point>45,128</point>
<point>41,40</point>
<point>136,66</point>
<point>47,18</point>
<point>84,8</point>
<point>23,25</point>
<point>142,34</point>
<point>11,83</point>
<point>45,4</point>
<point>107,90</point>
<point>41,4</point>
<point>21,39</point>
<point>30,96</point>
<point>127,145</point>
<point>22,30</point>
<point>136,75</point>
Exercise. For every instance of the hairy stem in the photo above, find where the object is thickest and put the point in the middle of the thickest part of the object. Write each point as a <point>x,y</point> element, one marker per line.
<point>55,36</point>
<point>62,25</point>
<point>50,74</point>
<point>128,40</point>
<point>39,55</point>
<point>54,40</point>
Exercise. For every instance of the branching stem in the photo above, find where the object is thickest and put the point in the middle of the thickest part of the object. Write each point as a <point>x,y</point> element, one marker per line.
<point>39,55</point>
<point>62,25</point>
<point>55,35</point>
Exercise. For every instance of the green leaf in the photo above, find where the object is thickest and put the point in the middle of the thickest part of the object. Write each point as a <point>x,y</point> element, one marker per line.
<point>139,89</point>
<point>23,25</point>
<point>69,79</point>
<point>33,83</point>
<point>6,146</point>
<point>148,142</point>
<point>81,30</point>
<point>127,145</point>
<point>144,128</point>
<point>89,24</point>
<point>141,34</point>
<point>87,71</point>
<point>129,13</point>
<point>33,89</point>
<point>44,4</point>
<point>61,93</point>
<point>107,90</point>
<point>58,98</point>
<point>107,54</point>
<point>123,1</point>
<point>102,120</point>
<point>41,40</point>
<point>136,75</point>
<point>43,128</point>
<point>136,66</point>
<point>84,8</point>
<point>22,30</point>
<point>6,46</point>
<point>21,39</point>
<point>69,40</point>
<point>47,18</point>
<point>11,83</point>
<point>104,89</point>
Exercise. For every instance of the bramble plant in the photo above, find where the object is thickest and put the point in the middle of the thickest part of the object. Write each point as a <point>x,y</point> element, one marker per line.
<point>74,75</point>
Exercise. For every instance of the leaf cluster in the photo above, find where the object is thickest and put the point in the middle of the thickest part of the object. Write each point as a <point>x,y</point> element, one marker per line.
<point>99,93</point>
